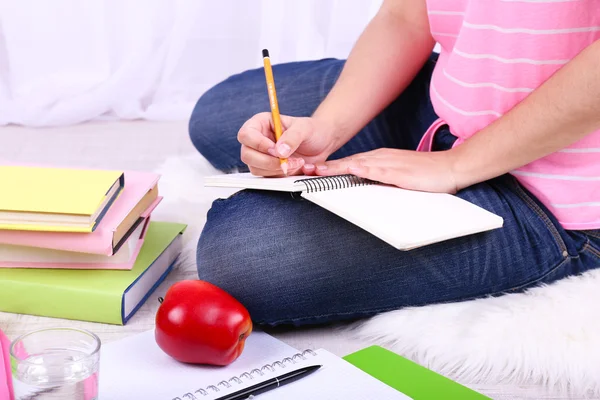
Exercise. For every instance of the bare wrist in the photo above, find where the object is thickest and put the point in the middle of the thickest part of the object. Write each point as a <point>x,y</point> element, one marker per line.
<point>334,132</point>
<point>459,168</point>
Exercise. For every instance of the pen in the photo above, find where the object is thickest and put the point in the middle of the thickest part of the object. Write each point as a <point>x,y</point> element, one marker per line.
<point>270,384</point>
<point>273,103</point>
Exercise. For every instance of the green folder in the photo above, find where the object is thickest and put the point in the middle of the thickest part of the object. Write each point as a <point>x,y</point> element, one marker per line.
<point>106,296</point>
<point>408,377</point>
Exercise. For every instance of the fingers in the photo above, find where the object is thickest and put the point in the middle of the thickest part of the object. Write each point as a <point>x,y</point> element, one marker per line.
<point>378,174</point>
<point>256,134</point>
<point>295,132</point>
<point>339,167</point>
<point>365,165</point>
<point>266,165</point>
<point>342,165</point>
<point>309,169</point>
<point>258,146</point>
<point>275,173</point>
<point>363,168</point>
<point>260,151</point>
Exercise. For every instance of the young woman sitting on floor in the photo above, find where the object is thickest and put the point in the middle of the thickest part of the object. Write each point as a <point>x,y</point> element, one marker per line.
<point>507,117</point>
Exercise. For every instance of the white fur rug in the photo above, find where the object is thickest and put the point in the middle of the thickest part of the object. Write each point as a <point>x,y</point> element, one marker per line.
<point>549,335</point>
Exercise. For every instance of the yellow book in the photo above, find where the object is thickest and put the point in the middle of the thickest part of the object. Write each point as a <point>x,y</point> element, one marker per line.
<point>56,199</point>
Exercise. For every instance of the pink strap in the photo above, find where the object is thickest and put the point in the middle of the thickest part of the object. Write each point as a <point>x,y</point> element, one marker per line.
<point>427,140</point>
<point>6,387</point>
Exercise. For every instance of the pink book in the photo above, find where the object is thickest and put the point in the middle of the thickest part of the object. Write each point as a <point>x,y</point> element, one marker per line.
<point>30,257</point>
<point>137,200</point>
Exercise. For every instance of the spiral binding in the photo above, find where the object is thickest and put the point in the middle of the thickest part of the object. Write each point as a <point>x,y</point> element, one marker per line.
<point>238,380</point>
<point>333,182</point>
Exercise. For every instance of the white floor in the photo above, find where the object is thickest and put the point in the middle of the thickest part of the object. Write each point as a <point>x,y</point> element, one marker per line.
<point>144,146</point>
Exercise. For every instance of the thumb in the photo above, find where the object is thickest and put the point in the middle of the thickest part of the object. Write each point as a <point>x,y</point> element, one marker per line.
<point>292,137</point>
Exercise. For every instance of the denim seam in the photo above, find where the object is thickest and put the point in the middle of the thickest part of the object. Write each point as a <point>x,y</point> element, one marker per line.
<point>536,208</point>
<point>595,252</point>
<point>594,233</point>
<point>559,265</point>
<point>394,308</point>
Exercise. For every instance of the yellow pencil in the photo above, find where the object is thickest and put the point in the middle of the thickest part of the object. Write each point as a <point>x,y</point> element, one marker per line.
<point>274,105</point>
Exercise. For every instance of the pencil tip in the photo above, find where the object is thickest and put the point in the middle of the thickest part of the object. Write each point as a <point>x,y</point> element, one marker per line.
<point>284,167</point>
<point>265,53</point>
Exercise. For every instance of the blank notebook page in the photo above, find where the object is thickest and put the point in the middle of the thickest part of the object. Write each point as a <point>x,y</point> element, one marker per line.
<point>136,368</point>
<point>406,219</point>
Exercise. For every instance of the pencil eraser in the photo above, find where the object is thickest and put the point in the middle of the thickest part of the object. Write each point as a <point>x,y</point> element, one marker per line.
<point>265,53</point>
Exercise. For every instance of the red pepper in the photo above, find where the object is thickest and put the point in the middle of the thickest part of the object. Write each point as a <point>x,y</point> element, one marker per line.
<point>200,323</point>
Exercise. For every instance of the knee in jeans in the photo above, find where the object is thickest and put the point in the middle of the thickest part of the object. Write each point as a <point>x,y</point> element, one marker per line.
<point>231,271</point>
<point>206,123</point>
<point>240,250</point>
<point>227,261</point>
<point>219,114</point>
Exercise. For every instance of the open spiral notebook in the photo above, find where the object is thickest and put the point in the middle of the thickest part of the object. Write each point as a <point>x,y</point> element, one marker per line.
<point>136,368</point>
<point>405,219</point>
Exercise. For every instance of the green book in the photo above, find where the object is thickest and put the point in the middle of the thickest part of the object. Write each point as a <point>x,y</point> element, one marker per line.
<point>408,377</point>
<point>105,296</point>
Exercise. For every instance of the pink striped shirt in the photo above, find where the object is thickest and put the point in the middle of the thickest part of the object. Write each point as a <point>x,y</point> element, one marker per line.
<point>493,54</point>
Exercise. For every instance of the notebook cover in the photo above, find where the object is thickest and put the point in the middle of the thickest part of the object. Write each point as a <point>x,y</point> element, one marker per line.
<point>424,218</point>
<point>88,265</point>
<point>55,191</point>
<point>6,389</point>
<point>137,184</point>
<point>84,295</point>
<point>408,377</point>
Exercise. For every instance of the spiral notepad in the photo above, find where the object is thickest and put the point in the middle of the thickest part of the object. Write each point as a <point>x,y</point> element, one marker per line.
<point>322,183</point>
<point>287,184</point>
<point>136,368</point>
<point>246,378</point>
<point>405,219</point>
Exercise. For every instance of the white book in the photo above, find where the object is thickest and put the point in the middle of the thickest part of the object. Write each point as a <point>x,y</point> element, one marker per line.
<point>136,368</point>
<point>405,219</point>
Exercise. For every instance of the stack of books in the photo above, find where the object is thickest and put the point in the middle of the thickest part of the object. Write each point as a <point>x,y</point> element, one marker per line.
<point>80,244</point>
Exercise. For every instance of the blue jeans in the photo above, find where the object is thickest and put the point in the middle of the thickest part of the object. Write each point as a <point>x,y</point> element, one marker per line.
<point>292,262</point>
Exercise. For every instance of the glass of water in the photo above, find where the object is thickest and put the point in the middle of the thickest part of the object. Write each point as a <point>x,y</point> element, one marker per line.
<point>56,363</point>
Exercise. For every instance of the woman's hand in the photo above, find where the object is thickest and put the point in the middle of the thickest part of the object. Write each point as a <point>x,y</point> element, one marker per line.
<point>304,141</point>
<point>423,171</point>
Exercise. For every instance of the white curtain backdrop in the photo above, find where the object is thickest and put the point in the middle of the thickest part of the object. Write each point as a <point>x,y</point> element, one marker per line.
<point>69,61</point>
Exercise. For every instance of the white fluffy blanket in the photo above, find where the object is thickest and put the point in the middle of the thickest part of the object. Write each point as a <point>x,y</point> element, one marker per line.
<point>549,335</point>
